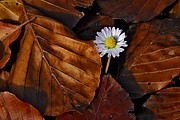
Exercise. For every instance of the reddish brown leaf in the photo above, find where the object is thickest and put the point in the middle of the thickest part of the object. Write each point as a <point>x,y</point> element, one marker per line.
<point>11,108</point>
<point>153,55</point>
<point>11,10</point>
<point>165,104</point>
<point>89,26</point>
<point>175,11</point>
<point>63,10</point>
<point>4,80</point>
<point>8,34</point>
<point>54,71</point>
<point>112,102</point>
<point>133,10</point>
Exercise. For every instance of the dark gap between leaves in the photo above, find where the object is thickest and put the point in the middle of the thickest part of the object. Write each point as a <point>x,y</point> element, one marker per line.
<point>14,47</point>
<point>49,117</point>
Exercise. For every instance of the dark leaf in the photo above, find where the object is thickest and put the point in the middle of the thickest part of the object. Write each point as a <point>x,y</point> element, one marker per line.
<point>63,10</point>
<point>133,10</point>
<point>89,27</point>
<point>112,102</point>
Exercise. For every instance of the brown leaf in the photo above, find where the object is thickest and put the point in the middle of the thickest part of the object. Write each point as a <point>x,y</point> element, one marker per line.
<point>165,104</point>
<point>153,55</point>
<point>63,11</point>
<point>8,34</point>
<point>54,71</point>
<point>4,80</point>
<point>175,11</point>
<point>11,108</point>
<point>112,102</point>
<point>11,10</point>
<point>133,10</point>
<point>89,27</point>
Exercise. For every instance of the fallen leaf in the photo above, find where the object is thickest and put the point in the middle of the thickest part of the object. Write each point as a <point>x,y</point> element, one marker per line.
<point>175,11</point>
<point>54,71</point>
<point>4,80</point>
<point>63,11</point>
<point>11,108</point>
<point>8,34</point>
<point>165,104</point>
<point>112,102</point>
<point>88,27</point>
<point>153,55</point>
<point>133,10</point>
<point>11,10</point>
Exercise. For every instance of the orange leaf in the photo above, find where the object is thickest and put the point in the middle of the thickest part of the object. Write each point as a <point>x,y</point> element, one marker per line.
<point>112,102</point>
<point>11,10</point>
<point>133,10</point>
<point>153,55</point>
<point>11,108</point>
<point>54,71</point>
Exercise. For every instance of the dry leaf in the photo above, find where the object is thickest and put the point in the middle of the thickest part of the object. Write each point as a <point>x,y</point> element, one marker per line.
<point>176,9</point>
<point>8,34</point>
<point>89,27</point>
<point>112,102</point>
<point>133,10</point>
<point>54,71</point>
<point>153,55</point>
<point>11,108</point>
<point>63,11</point>
<point>165,104</point>
<point>4,80</point>
<point>11,10</point>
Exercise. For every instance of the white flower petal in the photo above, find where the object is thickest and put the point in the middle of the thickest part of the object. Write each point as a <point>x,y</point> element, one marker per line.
<point>104,33</point>
<point>113,31</point>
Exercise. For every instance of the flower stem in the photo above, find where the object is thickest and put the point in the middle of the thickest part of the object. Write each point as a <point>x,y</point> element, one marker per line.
<point>107,65</point>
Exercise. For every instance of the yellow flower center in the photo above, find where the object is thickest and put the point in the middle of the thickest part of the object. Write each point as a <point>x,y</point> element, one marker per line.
<point>110,42</point>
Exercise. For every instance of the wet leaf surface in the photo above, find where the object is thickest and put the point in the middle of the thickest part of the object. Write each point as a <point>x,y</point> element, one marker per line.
<point>133,10</point>
<point>11,108</point>
<point>112,102</point>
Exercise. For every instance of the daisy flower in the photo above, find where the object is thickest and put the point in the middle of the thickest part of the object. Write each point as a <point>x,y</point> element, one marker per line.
<point>110,41</point>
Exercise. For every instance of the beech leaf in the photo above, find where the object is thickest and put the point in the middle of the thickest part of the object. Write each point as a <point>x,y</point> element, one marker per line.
<point>11,108</point>
<point>54,71</point>
<point>63,11</point>
<point>112,102</point>
<point>153,55</point>
<point>11,10</point>
<point>8,34</point>
<point>88,28</point>
<point>165,104</point>
<point>133,10</point>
